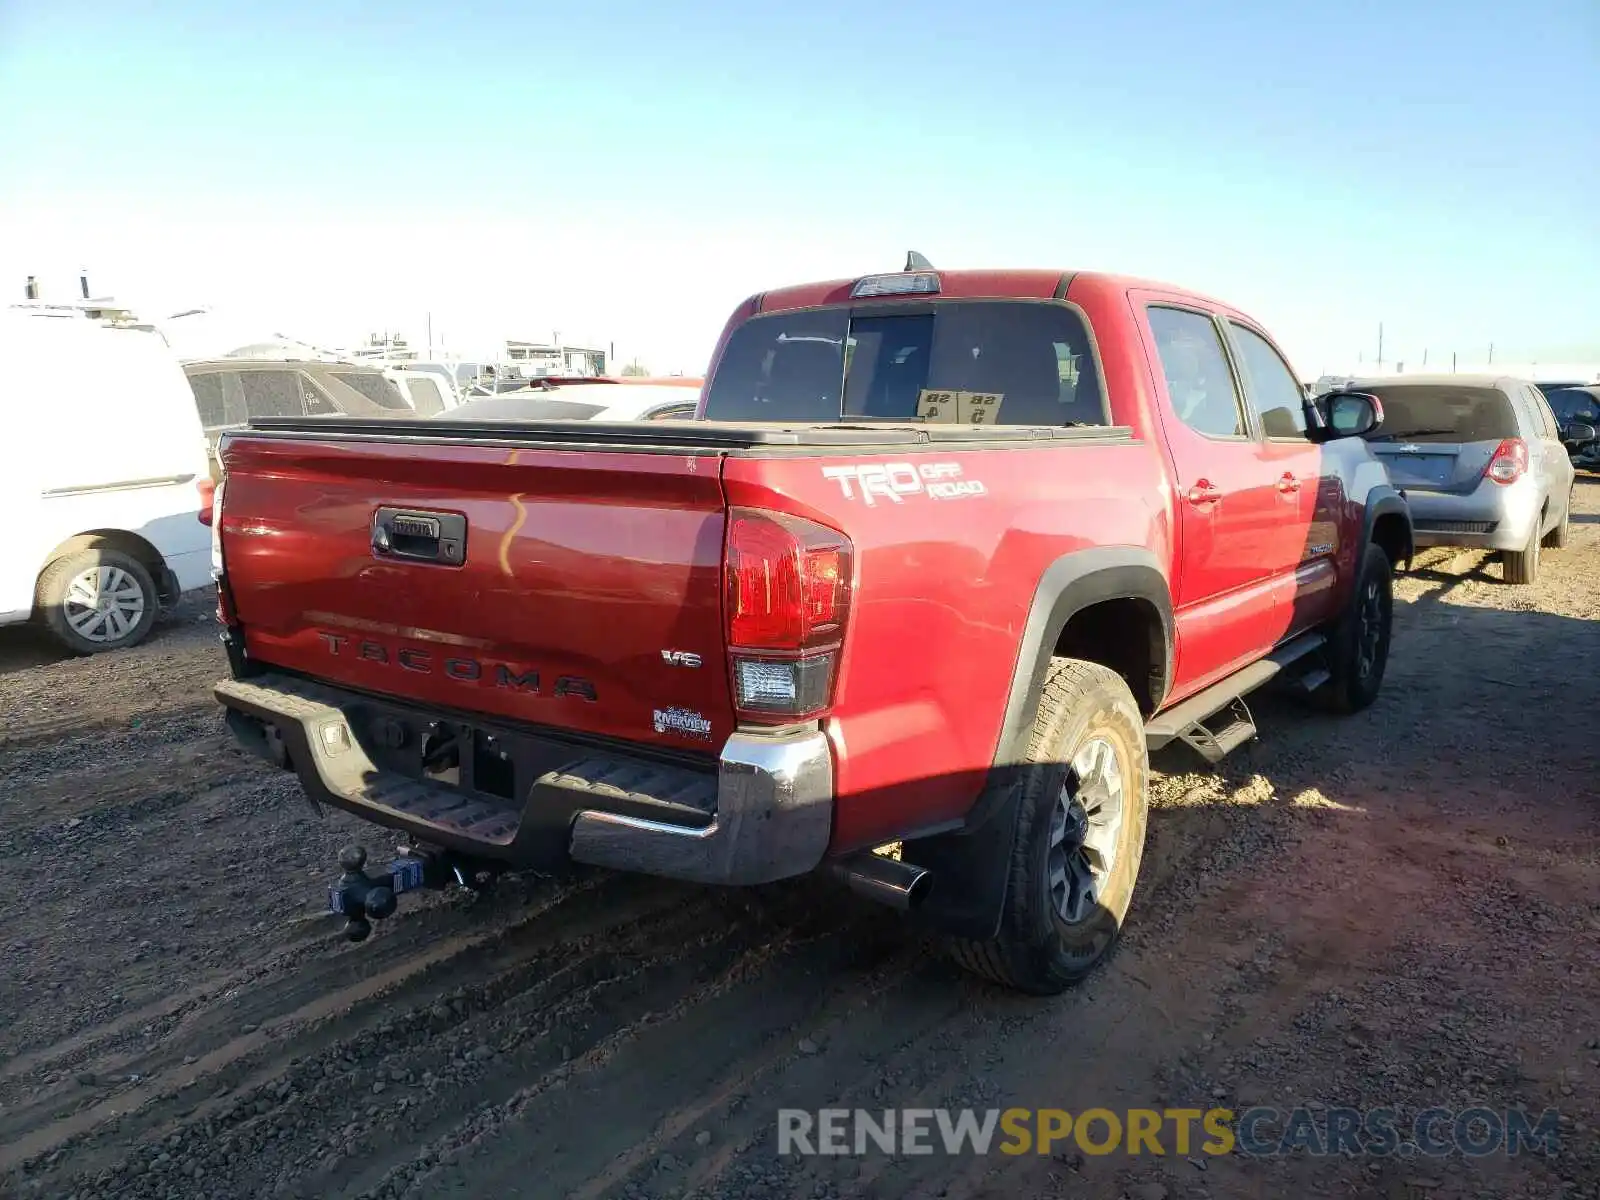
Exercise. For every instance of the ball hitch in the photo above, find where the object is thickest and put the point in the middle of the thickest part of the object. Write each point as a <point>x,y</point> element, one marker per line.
<point>362,898</point>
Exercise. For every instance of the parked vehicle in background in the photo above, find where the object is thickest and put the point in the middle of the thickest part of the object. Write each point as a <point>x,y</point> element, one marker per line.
<point>442,373</point>
<point>1549,386</point>
<point>944,553</point>
<point>105,481</point>
<point>424,391</point>
<point>1577,411</point>
<point>228,392</point>
<point>1481,461</point>
<point>586,399</point>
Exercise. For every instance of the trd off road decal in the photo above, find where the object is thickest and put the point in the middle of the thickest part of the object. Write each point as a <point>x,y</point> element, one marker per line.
<point>872,482</point>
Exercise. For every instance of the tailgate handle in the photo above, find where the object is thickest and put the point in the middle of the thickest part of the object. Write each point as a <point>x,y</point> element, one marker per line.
<point>438,537</point>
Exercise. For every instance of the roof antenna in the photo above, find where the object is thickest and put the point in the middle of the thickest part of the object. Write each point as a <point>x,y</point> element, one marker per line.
<point>915,262</point>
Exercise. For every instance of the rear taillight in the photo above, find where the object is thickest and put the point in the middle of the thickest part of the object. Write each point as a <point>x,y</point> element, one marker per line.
<point>788,598</point>
<point>224,611</point>
<point>208,495</point>
<point>1510,461</point>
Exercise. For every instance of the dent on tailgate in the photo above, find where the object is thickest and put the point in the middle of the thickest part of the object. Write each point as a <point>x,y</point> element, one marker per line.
<point>591,581</point>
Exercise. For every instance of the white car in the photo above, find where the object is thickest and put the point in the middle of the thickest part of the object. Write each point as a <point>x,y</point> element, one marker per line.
<point>410,377</point>
<point>597,399</point>
<point>103,477</point>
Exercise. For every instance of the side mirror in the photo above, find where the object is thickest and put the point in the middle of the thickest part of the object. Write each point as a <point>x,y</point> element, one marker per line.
<point>1578,433</point>
<point>1349,414</point>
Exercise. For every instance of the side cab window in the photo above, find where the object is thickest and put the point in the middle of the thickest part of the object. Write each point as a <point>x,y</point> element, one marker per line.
<point>1270,386</point>
<point>1200,385</point>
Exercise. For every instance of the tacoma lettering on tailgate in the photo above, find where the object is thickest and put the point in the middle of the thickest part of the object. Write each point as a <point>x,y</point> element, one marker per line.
<point>461,668</point>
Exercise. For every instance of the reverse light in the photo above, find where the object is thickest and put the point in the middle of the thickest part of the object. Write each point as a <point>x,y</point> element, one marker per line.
<point>788,598</point>
<point>1509,462</point>
<point>906,283</point>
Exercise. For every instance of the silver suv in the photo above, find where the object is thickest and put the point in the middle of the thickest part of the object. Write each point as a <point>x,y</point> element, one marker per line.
<point>1481,462</point>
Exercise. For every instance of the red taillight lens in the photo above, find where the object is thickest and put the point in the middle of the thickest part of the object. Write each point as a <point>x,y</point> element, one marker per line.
<point>788,597</point>
<point>208,492</point>
<point>788,582</point>
<point>1510,461</point>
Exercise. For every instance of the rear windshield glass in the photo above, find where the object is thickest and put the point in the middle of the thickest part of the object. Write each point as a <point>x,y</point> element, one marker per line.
<point>1576,404</point>
<point>989,362</point>
<point>522,408</point>
<point>375,388</point>
<point>1441,413</point>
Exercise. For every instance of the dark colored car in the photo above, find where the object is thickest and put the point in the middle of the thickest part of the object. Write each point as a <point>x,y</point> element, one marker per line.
<point>1577,409</point>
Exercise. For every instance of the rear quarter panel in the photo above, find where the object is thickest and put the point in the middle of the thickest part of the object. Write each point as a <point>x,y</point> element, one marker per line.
<point>942,591</point>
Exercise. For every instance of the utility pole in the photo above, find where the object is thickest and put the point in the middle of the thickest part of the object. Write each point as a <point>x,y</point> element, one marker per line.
<point>1452,362</point>
<point>430,337</point>
<point>1380,343</point>
<point>1491,352</point>
<point>1424,356</point>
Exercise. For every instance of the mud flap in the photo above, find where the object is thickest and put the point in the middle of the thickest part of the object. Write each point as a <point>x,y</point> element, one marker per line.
<point>971,870</point>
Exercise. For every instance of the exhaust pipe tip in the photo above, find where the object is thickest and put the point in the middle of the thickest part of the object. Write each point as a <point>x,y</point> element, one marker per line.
<point>890,881</point>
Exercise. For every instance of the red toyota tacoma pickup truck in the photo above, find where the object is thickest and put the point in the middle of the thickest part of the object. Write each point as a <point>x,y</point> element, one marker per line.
<point>942,554</point>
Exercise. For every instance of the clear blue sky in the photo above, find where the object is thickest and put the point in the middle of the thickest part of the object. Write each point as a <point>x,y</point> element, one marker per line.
<point>633,169</point>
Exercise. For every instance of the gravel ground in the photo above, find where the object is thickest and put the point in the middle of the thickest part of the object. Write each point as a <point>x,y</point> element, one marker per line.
<point>1397,909</point>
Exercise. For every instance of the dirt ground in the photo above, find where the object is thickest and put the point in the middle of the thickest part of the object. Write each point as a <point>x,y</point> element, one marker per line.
<point>1398,909</point>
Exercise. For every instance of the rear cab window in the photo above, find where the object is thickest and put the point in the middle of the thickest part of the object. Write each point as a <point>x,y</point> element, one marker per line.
<point>985,361</point>
<point>1443,413</point>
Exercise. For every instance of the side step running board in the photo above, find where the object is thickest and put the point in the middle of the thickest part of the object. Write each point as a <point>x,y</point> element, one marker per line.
<point>1186,721</point>
<point>1213,747</point>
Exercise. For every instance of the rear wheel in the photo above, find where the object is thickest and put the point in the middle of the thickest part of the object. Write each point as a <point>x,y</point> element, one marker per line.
<point>1358,645</point>
<point>1521,566</point>
<point>1079,837</point>
<point>97,600</point>
<point>1557,537</point>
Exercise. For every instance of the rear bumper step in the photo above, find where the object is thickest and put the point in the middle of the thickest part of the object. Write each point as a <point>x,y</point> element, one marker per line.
<point>764,812</point>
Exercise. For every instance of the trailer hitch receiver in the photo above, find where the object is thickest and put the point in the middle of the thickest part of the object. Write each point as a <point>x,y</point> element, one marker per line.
<point>362,898</point>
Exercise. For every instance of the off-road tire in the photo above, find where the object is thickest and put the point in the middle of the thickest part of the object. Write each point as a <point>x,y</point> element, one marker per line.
<point>1035,950</point>
<point>1352,686</point>
<point>51,595</point>
<point>1521,566</point>
<point>1557,537</point>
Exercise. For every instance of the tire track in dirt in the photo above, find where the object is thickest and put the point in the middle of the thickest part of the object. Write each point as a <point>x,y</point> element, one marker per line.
<point>335,1000</point>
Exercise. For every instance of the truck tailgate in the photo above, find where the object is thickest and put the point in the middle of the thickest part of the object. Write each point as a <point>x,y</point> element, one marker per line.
<point>573,588</point>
